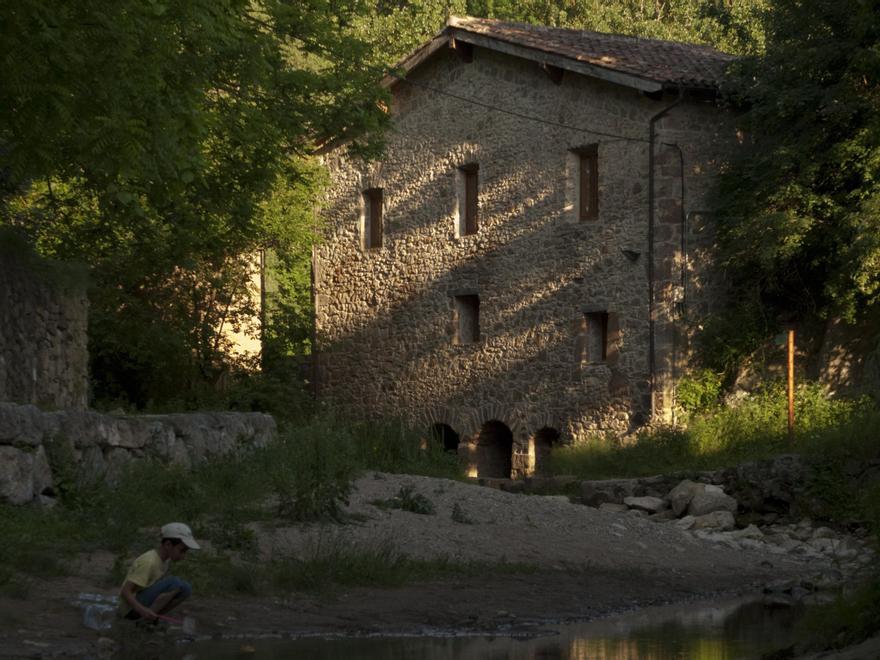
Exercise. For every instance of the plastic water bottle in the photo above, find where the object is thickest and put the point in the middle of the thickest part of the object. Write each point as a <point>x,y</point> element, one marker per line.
<point>99,616</point>
<point>189,625</point>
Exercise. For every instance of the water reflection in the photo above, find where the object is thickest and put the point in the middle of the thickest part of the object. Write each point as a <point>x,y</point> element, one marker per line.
<point>718,631</point>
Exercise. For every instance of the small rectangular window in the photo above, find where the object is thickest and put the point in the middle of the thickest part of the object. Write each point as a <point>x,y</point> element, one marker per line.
<point>373,218</point>
<point>468,176</point>
<point>467,319</point>
<point>593,337</point>
<point>588,182</point>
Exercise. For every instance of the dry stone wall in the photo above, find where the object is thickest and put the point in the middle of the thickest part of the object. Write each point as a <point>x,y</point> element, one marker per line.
<point>43,325</point>
<point>37,448</point>
<point>386,317</point>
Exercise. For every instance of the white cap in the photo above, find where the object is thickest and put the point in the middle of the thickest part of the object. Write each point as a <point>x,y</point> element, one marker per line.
<point>182,532</point>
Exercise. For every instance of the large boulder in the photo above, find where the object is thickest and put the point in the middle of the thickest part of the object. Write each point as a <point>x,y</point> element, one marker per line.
<point>710,499</point>
<point>680,496</point>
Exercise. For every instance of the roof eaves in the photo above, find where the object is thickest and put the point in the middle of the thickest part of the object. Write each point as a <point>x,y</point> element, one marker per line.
<point>415,58</point>
<point>543,57</point>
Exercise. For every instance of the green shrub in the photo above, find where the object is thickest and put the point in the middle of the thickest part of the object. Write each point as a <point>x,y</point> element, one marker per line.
<point>37,541</point>
<point>393,446</point>
<point>719,436</point>
<point>605,455</point>
<point>459,516</point>
<point>310,469</point>
<point>699,391</point>
<point>221,573</point>
<point>408,500</point>
<point>333,561</point>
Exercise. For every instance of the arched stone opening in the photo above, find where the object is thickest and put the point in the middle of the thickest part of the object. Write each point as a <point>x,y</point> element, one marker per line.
<point>544,440</point>
<point>445,436</point>
<point>494,450</point>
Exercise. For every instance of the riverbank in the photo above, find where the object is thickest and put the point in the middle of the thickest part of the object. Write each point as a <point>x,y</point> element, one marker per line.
<point>509,562</point>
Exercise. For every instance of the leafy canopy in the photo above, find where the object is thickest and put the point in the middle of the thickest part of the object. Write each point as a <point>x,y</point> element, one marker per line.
<point>800,205</point>
<point>146,138</point>
<point>398,26</point>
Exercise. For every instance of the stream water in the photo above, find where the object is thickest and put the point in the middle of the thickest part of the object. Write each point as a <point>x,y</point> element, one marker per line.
<point>724,630</point>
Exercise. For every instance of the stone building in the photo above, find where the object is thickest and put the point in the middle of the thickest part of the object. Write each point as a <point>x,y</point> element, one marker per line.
<point>521,266</point>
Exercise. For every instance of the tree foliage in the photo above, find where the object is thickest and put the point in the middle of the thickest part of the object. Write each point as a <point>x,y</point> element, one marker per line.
<point>800,205</point>
<point>735,26</point>
<point>145,139</point>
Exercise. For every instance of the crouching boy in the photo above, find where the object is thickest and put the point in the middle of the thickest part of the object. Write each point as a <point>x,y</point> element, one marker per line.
<point>147,592</point>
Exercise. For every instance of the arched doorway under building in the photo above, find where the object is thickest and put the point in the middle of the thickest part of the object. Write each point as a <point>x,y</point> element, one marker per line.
<point>445,436</point>
<point>544,440</point>
<point>494,450</point>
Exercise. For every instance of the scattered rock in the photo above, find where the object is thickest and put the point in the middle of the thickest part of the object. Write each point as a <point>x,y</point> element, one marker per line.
<point>107,647</point>
<point>847,548</point>
<point>750,532</point>
<point>685,523</point>
<point>594,493</point>
<point>647,504</point>
<point>778,485</point>
<point>720,520</point>
<point>611,507</point>
<point>822,545</point>
<point>828,579</point>
<point>780,586</point>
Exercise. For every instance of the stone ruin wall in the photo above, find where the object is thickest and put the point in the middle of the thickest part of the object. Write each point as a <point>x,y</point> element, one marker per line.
<point>41,450</point>
<point>385,317</point>
<point>43,326</point>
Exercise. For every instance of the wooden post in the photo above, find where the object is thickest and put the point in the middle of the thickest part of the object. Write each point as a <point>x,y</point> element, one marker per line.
<point>791,386</point>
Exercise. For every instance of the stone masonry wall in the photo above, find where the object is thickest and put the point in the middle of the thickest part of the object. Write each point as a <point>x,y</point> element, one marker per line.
<point>39,448</point>
<point>385,317</point>
<point>43,325</point>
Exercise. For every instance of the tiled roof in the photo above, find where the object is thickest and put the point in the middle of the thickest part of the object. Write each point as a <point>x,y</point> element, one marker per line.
<point>667,63</point>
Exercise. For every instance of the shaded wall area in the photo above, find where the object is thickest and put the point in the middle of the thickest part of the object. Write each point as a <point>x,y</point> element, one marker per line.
<point>538,320</point>
<point>43,329</point>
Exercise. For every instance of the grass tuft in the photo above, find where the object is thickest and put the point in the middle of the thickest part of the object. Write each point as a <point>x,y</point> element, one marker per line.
<point>408,500</point>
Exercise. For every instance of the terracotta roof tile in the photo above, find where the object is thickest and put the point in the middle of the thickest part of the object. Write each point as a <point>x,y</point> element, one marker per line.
<point>667,62</point>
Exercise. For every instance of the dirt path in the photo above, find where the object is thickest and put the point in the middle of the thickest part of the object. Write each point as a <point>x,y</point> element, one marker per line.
<point>590,563</point>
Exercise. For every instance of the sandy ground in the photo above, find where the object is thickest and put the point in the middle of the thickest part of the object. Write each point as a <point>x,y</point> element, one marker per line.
<point>589,564</point>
